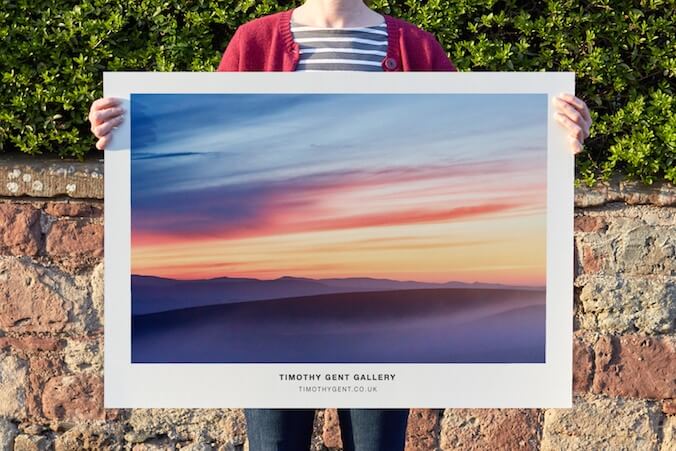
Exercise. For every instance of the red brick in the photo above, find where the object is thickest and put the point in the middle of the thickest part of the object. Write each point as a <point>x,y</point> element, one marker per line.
<point>583,363</point>
<point>73,398</point>
<point>601,423</point>
<point>27,303</point>
<point>331,430</point>
<point>76,209</point>
<point>75,238</point>
<point>20,232</point>
<point>635,366</point>
<point>482,429</point>
<point>589,224</point>
<point>669,406</point>
<point>422,431</point>
<point>115,414</point>
<point>591,262</point>
<point>41,368</point>
<point>30,343</point>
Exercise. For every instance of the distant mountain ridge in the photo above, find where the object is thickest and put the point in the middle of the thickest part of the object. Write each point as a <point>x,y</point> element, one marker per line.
<point>152,294</point>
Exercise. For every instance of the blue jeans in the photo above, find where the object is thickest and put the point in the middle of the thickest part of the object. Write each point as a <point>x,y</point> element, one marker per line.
<point>360,429</point>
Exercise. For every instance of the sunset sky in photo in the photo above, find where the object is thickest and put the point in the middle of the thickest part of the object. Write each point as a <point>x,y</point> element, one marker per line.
<point>423,187</point>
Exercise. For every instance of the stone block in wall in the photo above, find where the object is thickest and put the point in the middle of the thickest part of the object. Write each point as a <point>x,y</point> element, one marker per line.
<point>41,368</point>
<point>13,379</point>
<point>8,432</point>
<point>422,431</point>
<point>599,423</point>
<point>80,209</point>
<point>75,238</point>
<point>643,248</point>
<point>73,397</point>
<point>629,191</point>
<point>21,175</point>
<point>34,298</point>
<point>583,362</point>
<point>627,246</point>
<point>25,442</point>
<point>198,446</point>
<point>26,344</point>
<point>635,366</point>
<point>92,436</point>
<point>614,304</point>
<point>481,429</point>
<point>602,217</point>
<point>669,434</point>
<point>588,223</point>
<point>331,429</point>
<point>20,232</point>
<point>316,439</point>
<point>223,426</point>
<point>38,298</point>
<point>84,354</point>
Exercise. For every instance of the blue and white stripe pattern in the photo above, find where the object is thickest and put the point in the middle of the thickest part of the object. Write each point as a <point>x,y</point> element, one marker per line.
<point>354,49</point>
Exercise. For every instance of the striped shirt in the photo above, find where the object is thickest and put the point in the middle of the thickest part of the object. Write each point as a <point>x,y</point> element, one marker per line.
<point>358,48</point>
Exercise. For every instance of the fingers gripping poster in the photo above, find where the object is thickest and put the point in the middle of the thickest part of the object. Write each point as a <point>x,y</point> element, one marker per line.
<point>306,240</point>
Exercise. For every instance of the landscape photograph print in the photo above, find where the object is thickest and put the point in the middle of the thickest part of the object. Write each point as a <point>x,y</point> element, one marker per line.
<point>338,228</point>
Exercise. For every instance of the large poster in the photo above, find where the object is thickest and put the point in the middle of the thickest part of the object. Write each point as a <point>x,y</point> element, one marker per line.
<point>276,240</point>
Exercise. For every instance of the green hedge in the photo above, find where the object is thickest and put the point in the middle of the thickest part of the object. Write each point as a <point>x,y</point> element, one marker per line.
<point>624,52</point>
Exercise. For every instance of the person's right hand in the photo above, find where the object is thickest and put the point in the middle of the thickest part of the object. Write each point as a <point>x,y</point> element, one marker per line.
<point>105,114</point>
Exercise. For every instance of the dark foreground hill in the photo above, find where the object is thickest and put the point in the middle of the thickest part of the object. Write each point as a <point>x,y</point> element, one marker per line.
<point>451,325</point>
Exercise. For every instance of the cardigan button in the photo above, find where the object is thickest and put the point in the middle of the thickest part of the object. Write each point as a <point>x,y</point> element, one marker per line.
<point>390,63</point>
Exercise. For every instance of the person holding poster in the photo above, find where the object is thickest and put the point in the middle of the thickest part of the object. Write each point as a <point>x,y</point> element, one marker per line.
<point>328,35</point>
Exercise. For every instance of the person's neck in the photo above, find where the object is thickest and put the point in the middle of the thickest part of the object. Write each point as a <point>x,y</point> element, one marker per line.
<point>336,14</point>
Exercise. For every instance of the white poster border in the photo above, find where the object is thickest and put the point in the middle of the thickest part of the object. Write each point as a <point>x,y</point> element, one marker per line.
<point>547,385</point>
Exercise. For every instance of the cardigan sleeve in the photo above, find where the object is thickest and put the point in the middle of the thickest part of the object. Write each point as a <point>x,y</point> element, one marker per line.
<point>231,55</point>
<point>440,60</point>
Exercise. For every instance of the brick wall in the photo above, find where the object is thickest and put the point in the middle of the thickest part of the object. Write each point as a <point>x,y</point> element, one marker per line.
<point>51,336</point>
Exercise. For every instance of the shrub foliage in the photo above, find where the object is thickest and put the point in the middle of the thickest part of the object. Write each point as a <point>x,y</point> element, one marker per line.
<point>624,54</point>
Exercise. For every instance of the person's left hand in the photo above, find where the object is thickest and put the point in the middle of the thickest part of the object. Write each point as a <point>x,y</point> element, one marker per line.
<point>573,114</point>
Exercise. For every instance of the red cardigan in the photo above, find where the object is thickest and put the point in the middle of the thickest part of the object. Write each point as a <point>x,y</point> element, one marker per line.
<point>266,44</point>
